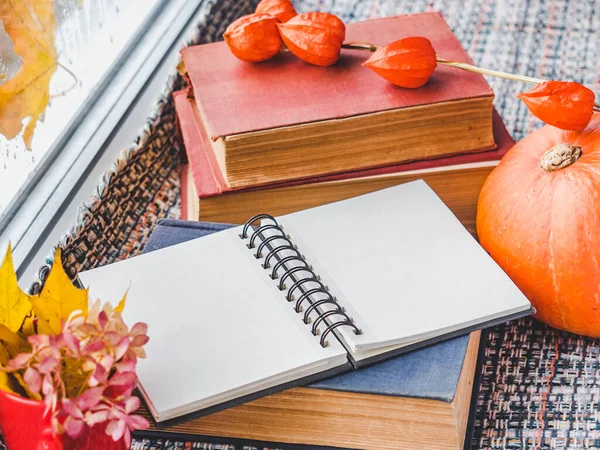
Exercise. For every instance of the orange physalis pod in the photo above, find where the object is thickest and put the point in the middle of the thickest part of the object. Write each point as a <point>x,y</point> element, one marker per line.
<point>282,9</point>
<point>563,104</point>
<point>254,37</point>
<point>407,63</point>
<point>314,37</point>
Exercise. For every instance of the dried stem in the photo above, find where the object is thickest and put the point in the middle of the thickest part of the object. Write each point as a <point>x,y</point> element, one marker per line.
<point>360,46</point>
<point>458,65</point>
<point>492,73</point>
<point>495,73</point>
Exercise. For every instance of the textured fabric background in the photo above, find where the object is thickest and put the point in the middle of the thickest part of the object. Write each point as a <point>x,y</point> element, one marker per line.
<point>540,389</point>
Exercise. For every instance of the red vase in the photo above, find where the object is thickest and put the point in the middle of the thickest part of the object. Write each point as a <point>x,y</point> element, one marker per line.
<point>24,427</point>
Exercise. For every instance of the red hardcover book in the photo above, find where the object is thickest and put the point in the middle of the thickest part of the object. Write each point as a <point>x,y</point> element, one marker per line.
<point>457,179</point>
<point>284,119</point>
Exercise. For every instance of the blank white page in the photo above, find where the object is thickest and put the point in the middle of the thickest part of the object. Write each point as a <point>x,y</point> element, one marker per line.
<point>403,263</point>
<point>215,326</point>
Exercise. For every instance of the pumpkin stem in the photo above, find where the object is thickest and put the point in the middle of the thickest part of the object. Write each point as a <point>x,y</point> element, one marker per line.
<point>559,157</point>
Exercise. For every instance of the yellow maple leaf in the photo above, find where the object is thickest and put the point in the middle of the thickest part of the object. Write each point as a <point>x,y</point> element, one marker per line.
<point>13,343</point>
<point>28,327</point>
<point>30,24</point>
<point>121,306</point>
<point>4,356</point>
<point>58,299</point>
<point>6,381</point>
<point>25,388</point>
<point>11,337</point>
<point>75,377</point>
<point>14,303</point>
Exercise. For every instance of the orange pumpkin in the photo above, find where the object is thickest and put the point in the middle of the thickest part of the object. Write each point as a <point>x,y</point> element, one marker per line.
<point>539,218</point>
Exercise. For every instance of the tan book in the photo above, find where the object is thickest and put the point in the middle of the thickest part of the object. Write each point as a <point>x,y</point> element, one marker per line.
<point>284,119</point>
<point>335,412</point>
<point>456,179</point>
<point>457,186</point>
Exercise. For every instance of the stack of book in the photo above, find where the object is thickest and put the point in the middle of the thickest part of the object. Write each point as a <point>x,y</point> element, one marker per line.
<point>282,136</point>
<point>420,400</point>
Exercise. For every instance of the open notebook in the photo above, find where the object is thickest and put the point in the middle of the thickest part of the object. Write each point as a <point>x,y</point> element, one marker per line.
<point>284,301</point>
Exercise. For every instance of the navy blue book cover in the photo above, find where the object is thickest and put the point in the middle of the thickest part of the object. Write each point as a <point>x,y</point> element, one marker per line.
<point>431,372</point>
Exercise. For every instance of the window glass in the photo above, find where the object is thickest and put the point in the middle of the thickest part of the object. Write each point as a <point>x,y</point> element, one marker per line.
<point>54,55</point>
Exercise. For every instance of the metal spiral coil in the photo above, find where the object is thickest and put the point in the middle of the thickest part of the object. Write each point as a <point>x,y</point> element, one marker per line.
<point>301,277</point>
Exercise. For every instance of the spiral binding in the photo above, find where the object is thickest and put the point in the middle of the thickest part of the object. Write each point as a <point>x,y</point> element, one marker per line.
<point>302,276</point>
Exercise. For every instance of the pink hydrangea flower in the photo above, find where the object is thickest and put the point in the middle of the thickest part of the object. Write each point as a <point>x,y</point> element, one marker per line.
<point>103,351</point>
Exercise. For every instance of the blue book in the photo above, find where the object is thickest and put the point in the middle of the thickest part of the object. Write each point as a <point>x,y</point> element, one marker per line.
<point>417,400</point>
